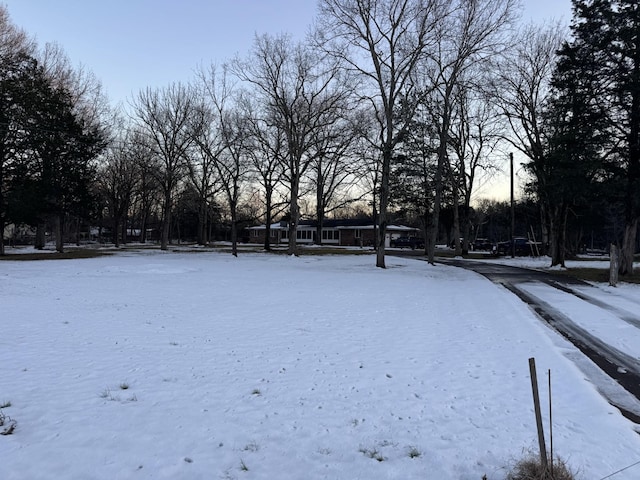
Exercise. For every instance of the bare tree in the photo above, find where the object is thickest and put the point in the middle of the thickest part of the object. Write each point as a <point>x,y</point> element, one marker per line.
<point>224,139</point>
<point>13,40</point>
<point>299,90</point>
<point>475,137</point>
<point>333,170</point>
<point>163,116</point>
<point>522,93</point>
<point>147,193</point>
<point>201,167</point>
<point>474,32</point>
<point>233,165</point>
<point>118,180</point>
<point>385,42</point>
<point>85,89</point>
<point>267,160</point>
<point>209,142</point>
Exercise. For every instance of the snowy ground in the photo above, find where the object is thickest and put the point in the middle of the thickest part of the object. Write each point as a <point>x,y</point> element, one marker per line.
<point>156,365</point>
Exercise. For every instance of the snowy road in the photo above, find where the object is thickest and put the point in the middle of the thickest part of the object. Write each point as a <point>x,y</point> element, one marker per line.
<point>602,323</point>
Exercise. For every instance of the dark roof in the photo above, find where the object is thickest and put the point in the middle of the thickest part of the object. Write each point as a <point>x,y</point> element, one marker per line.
<point>340,222</point>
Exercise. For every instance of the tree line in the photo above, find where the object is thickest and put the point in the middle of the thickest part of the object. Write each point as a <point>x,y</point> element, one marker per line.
<point>389,107</point>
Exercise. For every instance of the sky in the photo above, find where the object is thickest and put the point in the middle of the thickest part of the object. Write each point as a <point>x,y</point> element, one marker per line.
<point>134,44</point>
<point>194,364</point>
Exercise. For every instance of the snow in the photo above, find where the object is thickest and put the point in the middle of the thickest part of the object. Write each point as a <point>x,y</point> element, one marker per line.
<point>270,366</point>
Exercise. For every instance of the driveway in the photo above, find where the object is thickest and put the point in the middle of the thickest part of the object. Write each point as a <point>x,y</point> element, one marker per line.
<point>622,367</point>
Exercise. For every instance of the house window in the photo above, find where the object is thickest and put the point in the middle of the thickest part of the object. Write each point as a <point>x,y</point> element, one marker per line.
<point>304,235</point>
<point>330,235</point>
<point>357,233</point>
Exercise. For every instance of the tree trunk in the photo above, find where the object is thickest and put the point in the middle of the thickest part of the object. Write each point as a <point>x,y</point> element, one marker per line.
<point>124,230</point>
<point>166,225</point>
<point>628,248</point>
<point>320,215</point>
<point>544,227</point>
<point>293,221</point>
<point>384,202</point>
<point>41,236</point>
<point>442,158</point>
<point>234,228</point>
<point>613,266</point>
<point>319,203</point>
<point>59,233</point>
<point>557,234</point>
<point>116,231</point>
<point>267,231</point>
<point>466,227</point>
<point>144,218</point>
<point>2,227</point>
<point>77,231</point>
<point>456,223</point>
<point>202,222</point>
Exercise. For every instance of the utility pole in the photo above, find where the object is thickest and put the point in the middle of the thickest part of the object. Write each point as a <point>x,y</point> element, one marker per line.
<point>513,213</point>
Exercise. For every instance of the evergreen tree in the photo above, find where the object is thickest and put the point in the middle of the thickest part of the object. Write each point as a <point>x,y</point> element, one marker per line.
<point>14,75</point>
<point>606,41</point>
<point>576,131</point>
<point>54,174</point>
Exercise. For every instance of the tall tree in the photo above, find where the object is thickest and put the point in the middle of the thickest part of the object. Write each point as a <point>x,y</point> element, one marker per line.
<point>522,93</point>
<point>17,68</point>
<point>118,180</point>
<point>413,169</point>
<point>267,159</point>
<point>300,90</point>
<point>147,193</point>
<point>163,116</point>
<point>213,93</point>
<point>472,34</point>
<point>576,132</point>
<point>333,169</point>
<point>475,136</point>
<point>59,169</point>
<point>599,76</point>
<point>626,55</point>
<point>232,165</point>
<point>385,43</point>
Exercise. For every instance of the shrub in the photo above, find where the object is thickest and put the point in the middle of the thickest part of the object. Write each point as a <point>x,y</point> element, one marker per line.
<point>7,424</point>
<point>531,468</point>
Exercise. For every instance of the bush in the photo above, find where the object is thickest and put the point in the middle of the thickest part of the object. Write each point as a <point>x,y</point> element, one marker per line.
<point>531,468</point>
<point>7,424</point>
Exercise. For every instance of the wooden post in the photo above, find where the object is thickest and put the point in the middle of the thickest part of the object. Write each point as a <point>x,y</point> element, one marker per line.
<point>613,266</point>
<point>550,429</point>
<point>536,404</point>
<point>513,212</point>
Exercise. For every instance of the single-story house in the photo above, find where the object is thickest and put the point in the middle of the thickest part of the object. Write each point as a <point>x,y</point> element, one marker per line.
<point>345,232</point>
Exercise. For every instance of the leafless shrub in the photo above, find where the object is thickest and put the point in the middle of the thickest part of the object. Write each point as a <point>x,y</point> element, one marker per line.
<point>7,424</point>
<point>531,468</point>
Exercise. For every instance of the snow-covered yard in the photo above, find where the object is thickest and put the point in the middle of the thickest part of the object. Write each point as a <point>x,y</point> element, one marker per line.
<point>155,365</point>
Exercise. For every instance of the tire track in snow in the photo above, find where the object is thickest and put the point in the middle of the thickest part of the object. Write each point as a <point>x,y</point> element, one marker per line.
<point>619,366</point>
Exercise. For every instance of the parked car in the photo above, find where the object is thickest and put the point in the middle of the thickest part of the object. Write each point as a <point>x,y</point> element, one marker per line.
<point>523,246</point>
<point>482,244</point>
<point>407,242</point>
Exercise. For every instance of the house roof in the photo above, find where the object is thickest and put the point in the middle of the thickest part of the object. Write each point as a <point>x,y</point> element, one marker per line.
<point>341,224</point>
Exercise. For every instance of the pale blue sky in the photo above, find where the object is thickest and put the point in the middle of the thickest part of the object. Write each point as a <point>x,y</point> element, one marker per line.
<point>132,44</point>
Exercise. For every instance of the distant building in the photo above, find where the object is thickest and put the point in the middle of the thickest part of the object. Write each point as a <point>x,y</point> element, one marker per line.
<point>346,232</point>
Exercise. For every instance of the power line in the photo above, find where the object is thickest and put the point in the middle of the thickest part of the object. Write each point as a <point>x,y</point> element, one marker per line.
<point>621,470</point>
